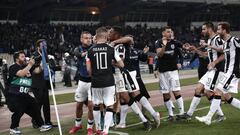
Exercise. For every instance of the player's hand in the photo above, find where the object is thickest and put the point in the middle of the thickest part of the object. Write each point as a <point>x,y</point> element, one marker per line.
<point>192,48</point>
<point>83,54</point>
<point>203,43</point>
<point>145,49</point>
<point>186,46</point>
<point>211,66</point>
<point>31,62</point>
<point>179,66</point>
<point>112,44</point>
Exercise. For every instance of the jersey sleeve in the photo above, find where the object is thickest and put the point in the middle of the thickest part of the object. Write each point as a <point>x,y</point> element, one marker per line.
<point>87,57</point>
<point>236,42</point>
<point>219,42</point>
<point>158,44</point>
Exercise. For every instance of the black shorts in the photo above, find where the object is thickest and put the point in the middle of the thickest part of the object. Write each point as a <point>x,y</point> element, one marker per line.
<point>143,89</point>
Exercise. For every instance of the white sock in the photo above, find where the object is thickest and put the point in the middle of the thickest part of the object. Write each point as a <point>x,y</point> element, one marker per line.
<point>78,122</point>
<point>145,103</point>
<point>180,105</point>
<point>107,121</point>
<point>236,103</point>
<point>97,119</point>
<point>213,108</point>
<point>137,110</point>
<point>123,113</point>
<point>169,107</point>
<point>90,123</point>
<point>172,104</point>
<point>194,104</point>
<point>219,110</point>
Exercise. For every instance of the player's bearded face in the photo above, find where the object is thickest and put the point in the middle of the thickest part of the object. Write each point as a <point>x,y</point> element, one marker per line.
<point>220,31</point>
<point>204,31</point>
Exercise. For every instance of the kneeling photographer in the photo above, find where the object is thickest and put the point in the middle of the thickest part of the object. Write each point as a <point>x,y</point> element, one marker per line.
<point>18,99</point>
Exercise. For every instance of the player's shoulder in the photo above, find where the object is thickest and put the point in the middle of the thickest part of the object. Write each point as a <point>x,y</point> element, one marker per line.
<point>219,40</point>
<point>158,41</point>
<point>236,39</point>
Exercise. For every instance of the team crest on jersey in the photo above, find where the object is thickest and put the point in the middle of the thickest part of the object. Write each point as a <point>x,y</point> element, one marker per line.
<point>172,46</point>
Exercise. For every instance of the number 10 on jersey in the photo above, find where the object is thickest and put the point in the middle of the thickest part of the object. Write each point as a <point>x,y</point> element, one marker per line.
<point>101,60</point>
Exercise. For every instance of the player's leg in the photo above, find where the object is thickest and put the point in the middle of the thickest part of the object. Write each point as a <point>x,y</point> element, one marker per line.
<point>108,100</point>
<point>90,112</point>
<point>196,100</point>
<point>81,95</point>
<point>135,93</point>
<point>97,99</point>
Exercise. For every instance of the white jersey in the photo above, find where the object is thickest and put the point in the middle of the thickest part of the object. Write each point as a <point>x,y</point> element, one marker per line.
<point>120,49</point>
<point>232,52</point>
<point>216,42</point>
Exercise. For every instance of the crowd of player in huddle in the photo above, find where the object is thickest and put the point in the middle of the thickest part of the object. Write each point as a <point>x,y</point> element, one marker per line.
<point>110,79</point>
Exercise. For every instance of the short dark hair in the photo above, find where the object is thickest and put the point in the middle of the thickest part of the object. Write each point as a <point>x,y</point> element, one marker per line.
<point>225,26</point>
<point>118,29</point>
<point>39,41</point>
<point>16,55</point>
<point>166,27</point>
<point>84,32</point>
<point>210,25</point>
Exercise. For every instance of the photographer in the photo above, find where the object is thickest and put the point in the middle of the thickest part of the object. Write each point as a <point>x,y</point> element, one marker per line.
<point>18,99</point>
<point>40,86</point>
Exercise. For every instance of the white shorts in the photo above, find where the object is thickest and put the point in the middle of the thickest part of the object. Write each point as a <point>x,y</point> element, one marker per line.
<point>227,83</point>
<point>83,91</point>
<point>209,80</point>
<point>169,81</point>
<point>131,81</point>
<point>120,83</point>
<point>104,95</point>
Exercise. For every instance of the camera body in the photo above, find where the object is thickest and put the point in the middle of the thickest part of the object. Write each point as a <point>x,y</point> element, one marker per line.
<point>38,59</point>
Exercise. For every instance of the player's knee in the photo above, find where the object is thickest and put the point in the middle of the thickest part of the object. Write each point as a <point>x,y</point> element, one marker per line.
<point>177,97</point>
<point>210,95</point>
<point>166,99</point>
<point>166,95</point>
<point>138,97</point>
<point>229,100</point>
<point>198,91</point>
<point>217,97</point>
<point>109,109</point>
<point>131,101</point>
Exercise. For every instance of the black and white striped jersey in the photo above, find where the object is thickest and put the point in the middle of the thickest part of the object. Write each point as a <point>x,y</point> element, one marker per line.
<point>216,42</point>
<point>232,52</point>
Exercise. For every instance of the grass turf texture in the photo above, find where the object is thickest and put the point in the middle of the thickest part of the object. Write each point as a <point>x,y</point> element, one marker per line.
<point>229,126</point>
<point>69,97</point>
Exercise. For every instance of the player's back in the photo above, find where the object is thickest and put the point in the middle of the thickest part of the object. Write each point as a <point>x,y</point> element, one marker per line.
<point>101,56</point>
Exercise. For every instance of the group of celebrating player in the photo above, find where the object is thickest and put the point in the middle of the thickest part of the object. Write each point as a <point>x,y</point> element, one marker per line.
<point>109,77</point>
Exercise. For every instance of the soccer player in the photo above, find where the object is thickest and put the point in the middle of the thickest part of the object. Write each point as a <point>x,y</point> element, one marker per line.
<point>208,81</point>
<point>99,66</point>
<point>228,79</point>
<point>167,51</point>
<point>130,76</point>
<point>83,92</point>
